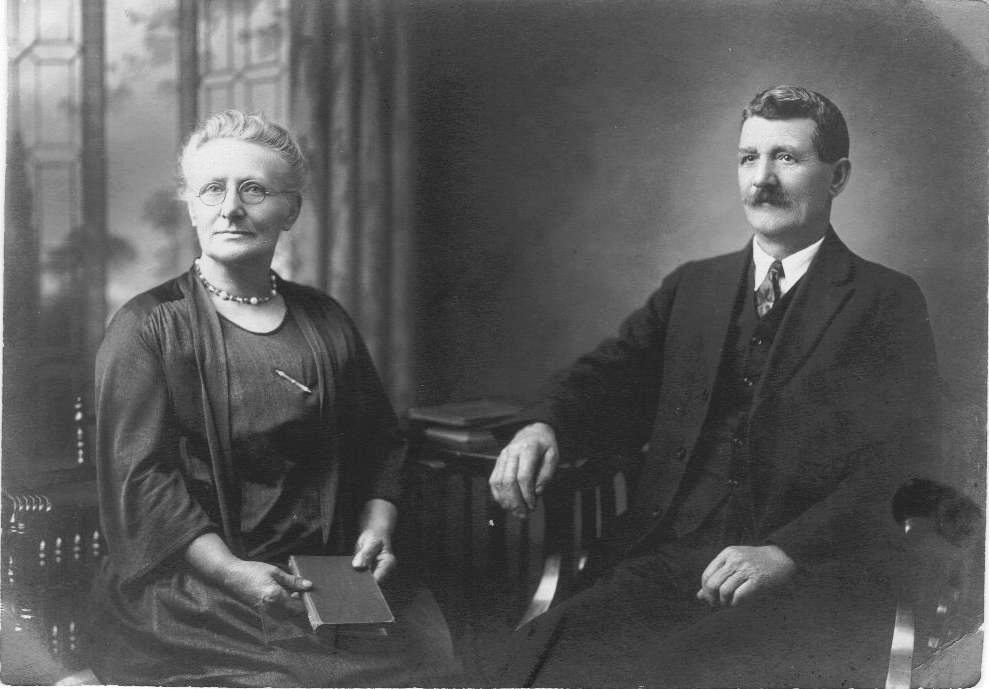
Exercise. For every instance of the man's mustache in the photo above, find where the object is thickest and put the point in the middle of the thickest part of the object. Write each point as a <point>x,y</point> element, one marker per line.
<point>771,196</point>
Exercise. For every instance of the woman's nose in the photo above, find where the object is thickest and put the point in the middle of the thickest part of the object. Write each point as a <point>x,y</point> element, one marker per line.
<point>231,205</point>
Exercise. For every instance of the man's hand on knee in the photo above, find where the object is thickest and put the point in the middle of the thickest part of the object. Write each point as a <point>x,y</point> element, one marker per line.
<point>524,467</point>
<point>741,571</point>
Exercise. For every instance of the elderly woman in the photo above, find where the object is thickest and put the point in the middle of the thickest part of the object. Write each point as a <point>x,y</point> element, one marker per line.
<point>240,420</point>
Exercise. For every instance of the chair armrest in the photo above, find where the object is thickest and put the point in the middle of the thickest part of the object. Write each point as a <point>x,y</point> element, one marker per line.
<point>940,583</point>
<point>549,584</point>
<point>52,543</point>
<point>579,504</point>
<point>953,516</point>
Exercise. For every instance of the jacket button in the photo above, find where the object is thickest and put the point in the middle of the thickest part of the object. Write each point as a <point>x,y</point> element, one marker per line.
<point>656,511</point>
<point>737,442</point>
<point>757,341</point>
<point>681,453</point>
<point>748,381</point>
<point>732,483</point>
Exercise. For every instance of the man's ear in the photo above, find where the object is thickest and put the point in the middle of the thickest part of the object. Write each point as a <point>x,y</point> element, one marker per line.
<point>840,174</point>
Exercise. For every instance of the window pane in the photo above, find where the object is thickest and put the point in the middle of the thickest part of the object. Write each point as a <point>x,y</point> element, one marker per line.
<point>246,67</point>
<point>42,362</point>
<point>150,237</point>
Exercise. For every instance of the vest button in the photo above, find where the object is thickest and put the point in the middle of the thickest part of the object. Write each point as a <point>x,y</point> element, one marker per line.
<point>732,483</point>
<point>656,511</point>
<point>757,341</point>
<point>748,381</point>
<point>681,453</point>
<point>737,442</point>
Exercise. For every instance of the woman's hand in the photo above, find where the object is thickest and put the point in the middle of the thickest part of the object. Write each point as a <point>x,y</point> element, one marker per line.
<point>373,548</point>
<point>263,586</point>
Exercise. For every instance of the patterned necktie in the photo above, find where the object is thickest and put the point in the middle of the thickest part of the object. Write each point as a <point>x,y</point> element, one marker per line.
<point>768,293</point>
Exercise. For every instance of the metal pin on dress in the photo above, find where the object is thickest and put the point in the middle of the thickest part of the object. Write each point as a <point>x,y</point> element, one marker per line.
<point>281,374</point>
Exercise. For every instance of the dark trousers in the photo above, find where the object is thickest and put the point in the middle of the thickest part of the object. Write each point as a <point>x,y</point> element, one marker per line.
<point>640,624</point>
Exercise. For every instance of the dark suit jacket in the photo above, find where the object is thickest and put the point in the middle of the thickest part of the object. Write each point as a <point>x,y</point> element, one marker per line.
<point>843,413</point>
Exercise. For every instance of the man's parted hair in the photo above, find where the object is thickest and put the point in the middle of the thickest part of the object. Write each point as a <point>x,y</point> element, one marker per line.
<point>794,102</point>
<point>252,128</point>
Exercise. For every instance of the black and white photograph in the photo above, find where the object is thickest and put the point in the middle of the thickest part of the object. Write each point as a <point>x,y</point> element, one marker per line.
<point>495,343</point>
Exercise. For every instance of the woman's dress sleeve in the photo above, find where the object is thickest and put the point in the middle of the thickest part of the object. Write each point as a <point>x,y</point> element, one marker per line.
<point>148,514</point>
<point>375,449</point>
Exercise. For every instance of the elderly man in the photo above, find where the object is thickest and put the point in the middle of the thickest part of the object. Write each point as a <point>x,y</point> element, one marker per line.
<point>781,393</point>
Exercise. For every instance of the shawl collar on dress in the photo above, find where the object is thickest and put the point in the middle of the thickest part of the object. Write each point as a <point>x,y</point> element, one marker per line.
<point>211,364</point>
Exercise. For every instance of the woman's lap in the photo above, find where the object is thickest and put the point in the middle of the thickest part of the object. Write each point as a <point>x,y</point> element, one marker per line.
<point>185,632</point>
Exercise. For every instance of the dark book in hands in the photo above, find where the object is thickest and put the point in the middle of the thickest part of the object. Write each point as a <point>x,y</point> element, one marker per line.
<point>342,598</point>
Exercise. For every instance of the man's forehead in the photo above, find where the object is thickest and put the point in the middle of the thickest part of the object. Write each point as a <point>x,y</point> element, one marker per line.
<point>759,132</point>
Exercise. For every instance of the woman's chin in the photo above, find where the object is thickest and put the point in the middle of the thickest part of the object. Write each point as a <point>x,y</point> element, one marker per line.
<point>231,251</point>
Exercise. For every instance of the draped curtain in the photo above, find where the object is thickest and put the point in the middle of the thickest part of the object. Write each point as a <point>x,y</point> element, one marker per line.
<point>350,104</point>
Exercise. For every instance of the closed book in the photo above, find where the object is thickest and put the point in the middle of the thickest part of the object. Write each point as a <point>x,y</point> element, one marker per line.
<point>342,597</point>
<point>469,439</point>
<point>465,414</point>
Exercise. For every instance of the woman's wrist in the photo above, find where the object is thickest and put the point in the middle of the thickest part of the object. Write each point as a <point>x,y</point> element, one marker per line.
<point>210,557</point>
<point>379,516</point>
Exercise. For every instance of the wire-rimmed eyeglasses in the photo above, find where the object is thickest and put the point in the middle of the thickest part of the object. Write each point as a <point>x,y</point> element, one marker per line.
<point>250,192</point>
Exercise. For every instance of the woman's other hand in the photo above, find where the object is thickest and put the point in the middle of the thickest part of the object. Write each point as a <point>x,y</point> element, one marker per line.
<point>373,548</point>
<point>374,552</point>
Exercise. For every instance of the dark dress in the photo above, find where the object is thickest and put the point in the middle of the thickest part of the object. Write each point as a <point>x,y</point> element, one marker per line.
<point>199,433</point>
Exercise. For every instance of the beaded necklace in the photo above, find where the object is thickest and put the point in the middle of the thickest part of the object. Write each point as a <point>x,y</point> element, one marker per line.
<point>226,296</point>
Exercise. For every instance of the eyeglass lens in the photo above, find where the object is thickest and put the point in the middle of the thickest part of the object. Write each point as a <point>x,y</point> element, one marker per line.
<point>250,192</point>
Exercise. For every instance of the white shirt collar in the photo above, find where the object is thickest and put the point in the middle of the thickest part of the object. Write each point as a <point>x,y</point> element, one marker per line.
<point>794,265</point>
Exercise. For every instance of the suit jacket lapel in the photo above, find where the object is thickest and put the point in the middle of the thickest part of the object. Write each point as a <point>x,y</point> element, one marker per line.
<point>825,287</point>
<point>715,298</point>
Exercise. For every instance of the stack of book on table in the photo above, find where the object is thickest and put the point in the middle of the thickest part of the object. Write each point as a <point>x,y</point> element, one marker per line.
<point>464,426</point>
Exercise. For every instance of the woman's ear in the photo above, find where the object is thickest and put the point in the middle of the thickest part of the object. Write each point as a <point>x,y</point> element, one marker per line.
<point>294,214</point>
